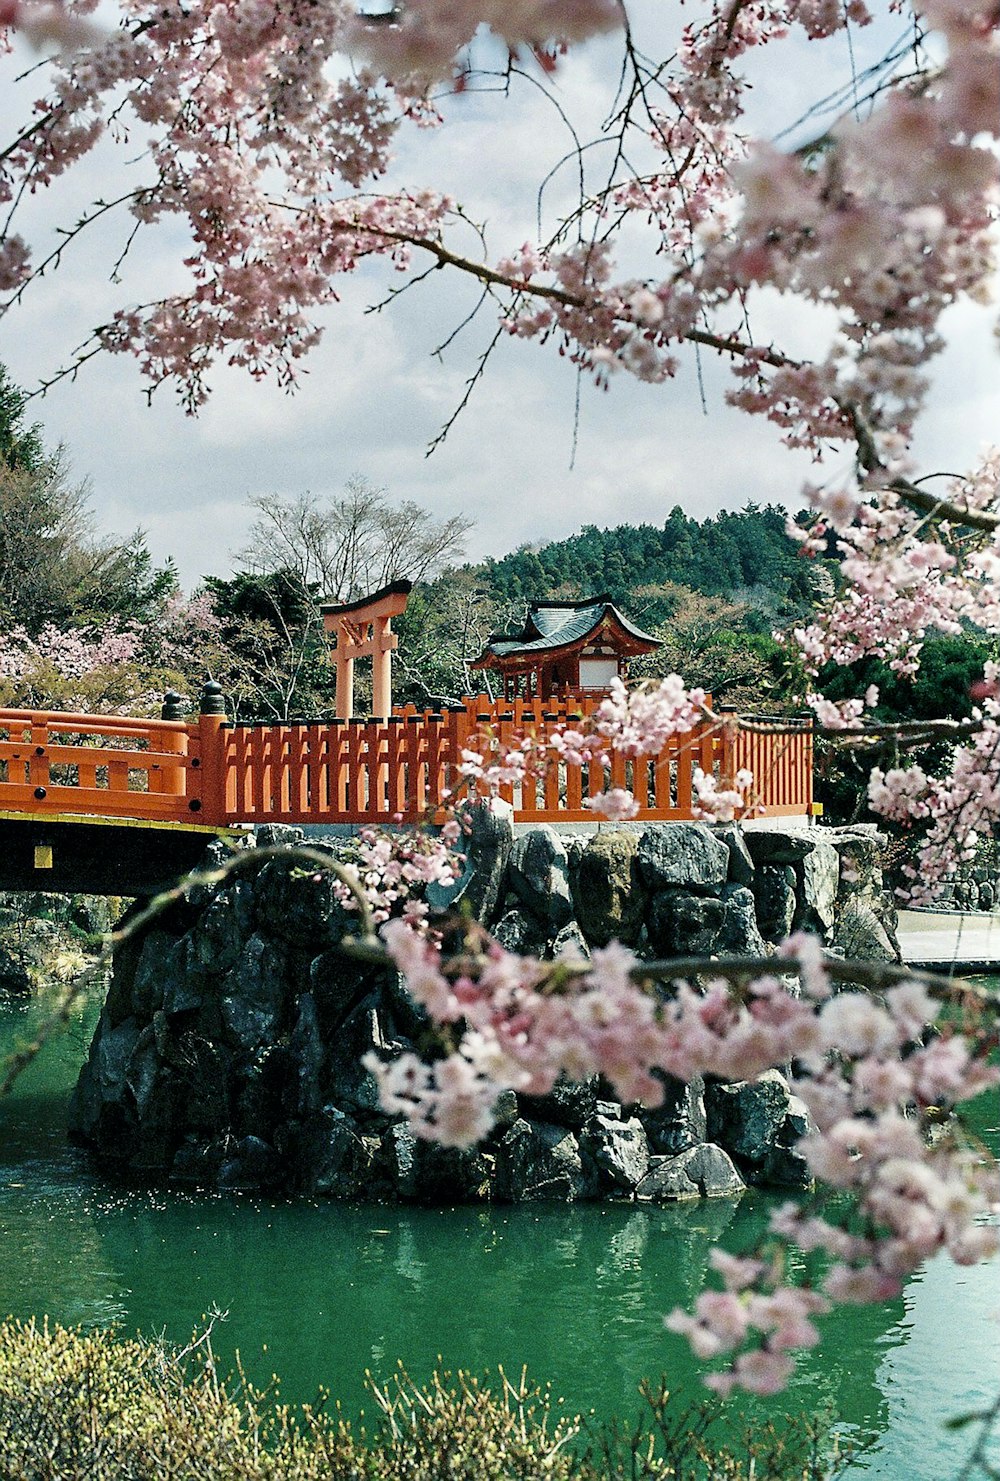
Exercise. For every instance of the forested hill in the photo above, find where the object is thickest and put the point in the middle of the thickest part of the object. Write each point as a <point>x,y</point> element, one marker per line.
<point>744,554</point>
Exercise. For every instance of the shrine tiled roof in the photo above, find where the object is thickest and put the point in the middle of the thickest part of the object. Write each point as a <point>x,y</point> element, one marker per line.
<point>554,625</point>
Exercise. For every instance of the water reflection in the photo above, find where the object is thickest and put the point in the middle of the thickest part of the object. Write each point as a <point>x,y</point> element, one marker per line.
<point>576,1293</point>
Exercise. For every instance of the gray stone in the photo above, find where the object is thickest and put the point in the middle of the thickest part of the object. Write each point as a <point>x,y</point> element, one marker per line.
<point>798,1122</point>
<point>254,1164</point>
<point>861,851</point>
<point>486,843</point>
<point>445,1175</point>
<point>184,986</point>
<point>297,904</point>
<point>699,1172</point>
<point>269,1086</point>
<point>306,1046</point>
<point>152,970</point>
<point>774,900</point>
<point>333,1156</point>
<point>337,985</point>
<point>680,924</point>
<point>399,1149</point>
<point>747,1116</point>
<point>777,845</point>
<point>741,865</point>
<point>538,875</point>
<point>253,994</point>
<point>505,1108</point>
<point>739,934</point>
<point>278,835</point>
<point>784,1167</point>
<point>569,1103</point>
<point>682,854</point>
<point>15,981</point>
<point>519,932</point>
<point>221,928</point>
<point>609,894</point>
<point>199,1161</point>
<point>569,943</point>
<point>818,878</point>
<point>861,934</point>
<point>618,1149</point>
<point>679,1121</point>
<point>536,1162</point>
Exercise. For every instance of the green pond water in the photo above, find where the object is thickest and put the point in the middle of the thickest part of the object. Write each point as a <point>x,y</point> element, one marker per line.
<point>317,1293</point>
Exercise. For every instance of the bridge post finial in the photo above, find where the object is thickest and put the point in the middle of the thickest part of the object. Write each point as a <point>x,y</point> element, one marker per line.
<point>213,701</point>
<point>211,720</point>
<point>173,706</point>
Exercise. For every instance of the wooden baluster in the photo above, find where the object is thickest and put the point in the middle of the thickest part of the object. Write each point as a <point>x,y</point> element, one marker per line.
<point>39,771</point>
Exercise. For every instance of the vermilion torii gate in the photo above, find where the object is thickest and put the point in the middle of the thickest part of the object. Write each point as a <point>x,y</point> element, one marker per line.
<point>363,629</point>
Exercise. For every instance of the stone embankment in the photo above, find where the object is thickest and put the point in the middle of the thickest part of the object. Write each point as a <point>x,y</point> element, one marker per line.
<point>229,1052</point>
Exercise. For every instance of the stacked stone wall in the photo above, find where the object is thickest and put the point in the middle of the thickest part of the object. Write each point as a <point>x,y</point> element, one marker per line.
<point>229,1051</point>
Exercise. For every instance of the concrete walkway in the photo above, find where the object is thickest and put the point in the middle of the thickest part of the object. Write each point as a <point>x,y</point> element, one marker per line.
<point>937,939</point>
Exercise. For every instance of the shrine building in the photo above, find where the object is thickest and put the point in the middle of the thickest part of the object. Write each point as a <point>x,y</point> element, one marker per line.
<point>566,647</point>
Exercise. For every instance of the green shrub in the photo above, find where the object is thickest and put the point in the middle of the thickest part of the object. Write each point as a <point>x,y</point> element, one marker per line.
<point>96,1406</point>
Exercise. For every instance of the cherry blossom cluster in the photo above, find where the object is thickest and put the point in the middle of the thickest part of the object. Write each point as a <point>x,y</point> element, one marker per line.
<point>392,870</point>
<point>905,574</point>
<point>960,807</point>
<point>71,653</point>
<point>873,1072</point>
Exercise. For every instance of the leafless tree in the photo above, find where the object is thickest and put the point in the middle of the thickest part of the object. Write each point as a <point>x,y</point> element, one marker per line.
<point>344,547</point>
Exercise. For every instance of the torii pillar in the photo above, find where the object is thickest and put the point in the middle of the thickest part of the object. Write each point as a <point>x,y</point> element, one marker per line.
<point>363,629</point>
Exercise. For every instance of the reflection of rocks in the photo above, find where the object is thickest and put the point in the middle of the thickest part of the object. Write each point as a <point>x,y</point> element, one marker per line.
<point>230,1048</point>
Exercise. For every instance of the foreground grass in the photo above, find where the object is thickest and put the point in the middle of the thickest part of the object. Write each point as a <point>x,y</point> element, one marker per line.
<point>96,1406</point>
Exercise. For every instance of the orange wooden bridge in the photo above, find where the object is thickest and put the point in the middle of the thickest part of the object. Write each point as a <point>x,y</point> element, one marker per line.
<point>174,775</point>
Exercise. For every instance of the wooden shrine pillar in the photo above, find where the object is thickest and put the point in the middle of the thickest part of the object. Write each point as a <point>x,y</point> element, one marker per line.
<point>363,629</point>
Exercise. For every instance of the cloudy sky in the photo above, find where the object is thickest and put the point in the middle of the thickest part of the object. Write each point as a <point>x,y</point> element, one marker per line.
<point>374,395</point>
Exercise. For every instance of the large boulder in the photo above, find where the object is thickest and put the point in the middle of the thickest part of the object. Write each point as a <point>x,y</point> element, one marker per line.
<point>569,1103</point>
<point>618,1150</point>
<point>300,907</point>
<point>538,874</point>
<point>253,994</point>
<point>609,893</point>
<point>774,900</point>
<point>538,1161</point>
<point>684,855</point>
<point>778,845</point>
<point>333,1156</point>
<point>739,934</point>
<point>861,849</point>
<point>861,933</point>
<point>818,877</point>
<point>681,924</point>
<point>488,837</point>
<point>678,1122</point>
<point>700,1172</point>
<point>741,864</point>
<point>15,981</point>
<point>745,1117</point>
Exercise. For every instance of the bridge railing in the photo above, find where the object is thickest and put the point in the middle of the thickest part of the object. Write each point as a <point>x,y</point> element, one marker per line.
<point>405,768</point>
<point>108,766</point>
<point>368,771</point>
